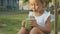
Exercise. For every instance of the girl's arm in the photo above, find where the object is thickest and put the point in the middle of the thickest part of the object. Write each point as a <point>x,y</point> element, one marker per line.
<point>48,26</point>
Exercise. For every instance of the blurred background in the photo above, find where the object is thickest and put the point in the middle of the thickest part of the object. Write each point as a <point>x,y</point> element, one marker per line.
<point>12,12</point>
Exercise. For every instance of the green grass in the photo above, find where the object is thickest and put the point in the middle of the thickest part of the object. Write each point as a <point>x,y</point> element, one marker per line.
<point>13,23</point>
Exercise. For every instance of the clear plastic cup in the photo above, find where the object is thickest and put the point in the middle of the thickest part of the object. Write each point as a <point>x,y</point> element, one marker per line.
<point>27,26</point>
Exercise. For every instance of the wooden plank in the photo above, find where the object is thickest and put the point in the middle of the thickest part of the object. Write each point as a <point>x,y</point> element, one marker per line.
<point>56,16</point>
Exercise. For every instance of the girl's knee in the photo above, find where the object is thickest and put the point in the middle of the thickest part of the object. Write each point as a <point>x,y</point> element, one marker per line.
<point>22,31</point>
<point>34,31</point>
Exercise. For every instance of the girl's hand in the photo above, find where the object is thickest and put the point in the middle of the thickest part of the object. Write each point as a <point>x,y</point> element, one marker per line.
<point>23,23</point>
<point>33,23</point>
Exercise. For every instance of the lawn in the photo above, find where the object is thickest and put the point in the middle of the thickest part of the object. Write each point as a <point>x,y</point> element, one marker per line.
<point>10,24</point>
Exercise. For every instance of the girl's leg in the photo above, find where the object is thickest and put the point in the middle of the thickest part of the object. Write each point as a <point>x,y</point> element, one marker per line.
<point>36,30</point>
<point>23,31</point>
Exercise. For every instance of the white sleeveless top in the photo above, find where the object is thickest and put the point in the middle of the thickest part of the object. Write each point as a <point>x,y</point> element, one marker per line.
<point>41,20</point>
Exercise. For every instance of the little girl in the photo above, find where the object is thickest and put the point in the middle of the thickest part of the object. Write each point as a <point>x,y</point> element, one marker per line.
<point>41,24</point>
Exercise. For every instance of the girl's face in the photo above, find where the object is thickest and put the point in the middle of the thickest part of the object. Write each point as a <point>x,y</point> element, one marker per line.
<point>36,5</point>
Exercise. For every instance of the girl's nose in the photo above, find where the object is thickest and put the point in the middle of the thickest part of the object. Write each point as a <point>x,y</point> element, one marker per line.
<point>34,6</point>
